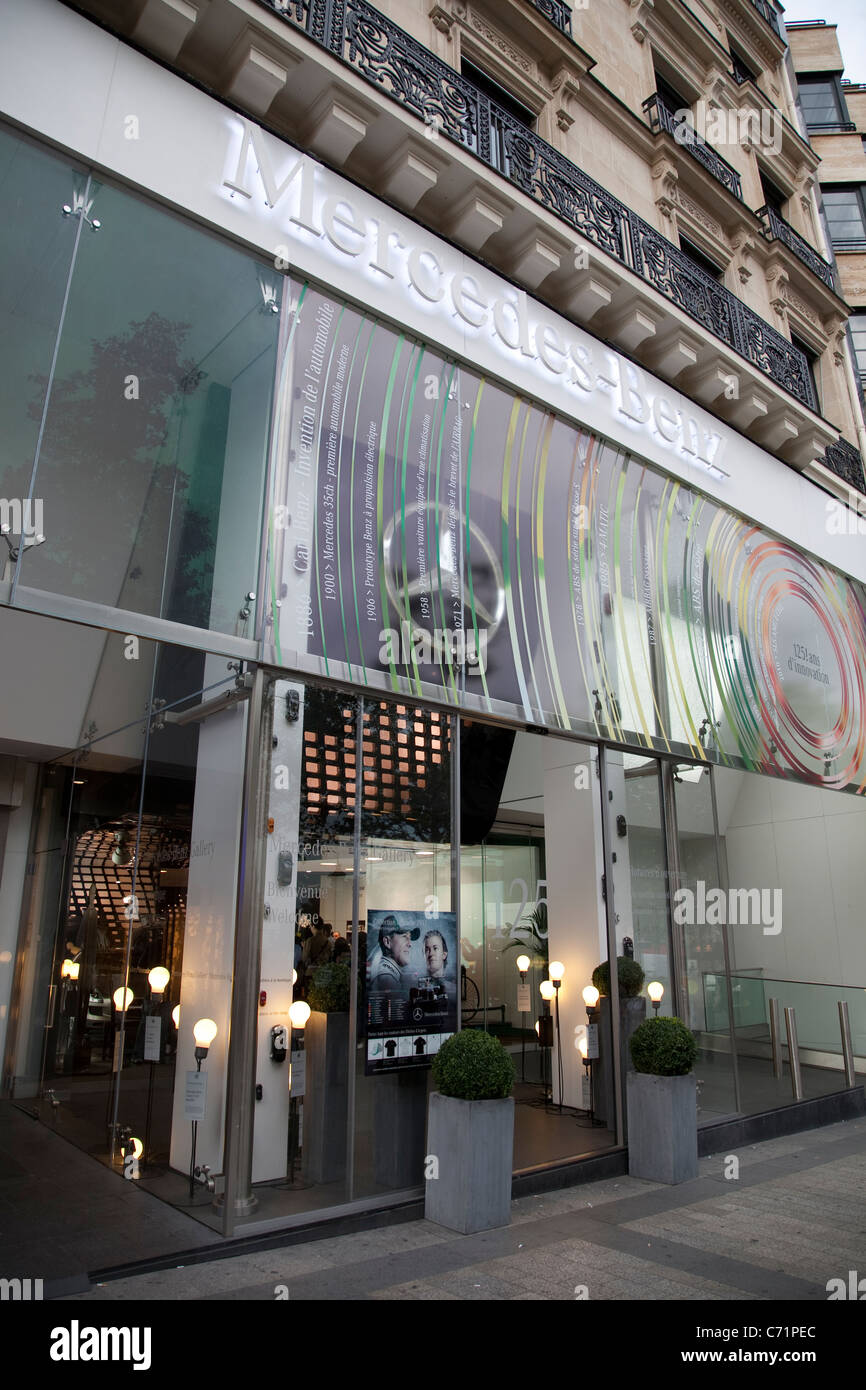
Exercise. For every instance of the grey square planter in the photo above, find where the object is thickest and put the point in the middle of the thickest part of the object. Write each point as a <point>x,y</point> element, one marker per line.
<point>326,1045</point>
<point>662,1127</point>
<point>632,1013</point>
<point>474,1143</point>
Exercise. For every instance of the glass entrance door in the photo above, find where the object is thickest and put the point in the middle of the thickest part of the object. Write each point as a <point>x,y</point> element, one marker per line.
<point>666,874</point>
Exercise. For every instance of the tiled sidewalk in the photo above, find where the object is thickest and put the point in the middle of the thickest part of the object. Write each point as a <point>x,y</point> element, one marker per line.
<point>793,1218</point>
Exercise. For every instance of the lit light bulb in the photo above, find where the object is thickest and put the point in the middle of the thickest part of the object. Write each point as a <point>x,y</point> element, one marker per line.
<point>556,970</point>
<point>546,989</point>
<point>523,964</point>
<point>582,1047</point>
<point>122,997</point>
<point>175,1015</point>
<point>204,1032</point>
<point>590,996</point>
<point>655,990</point>
<point>137,1147</point>
<point>294,977</point>
<point>299,1012</point>
<point>158,979</point>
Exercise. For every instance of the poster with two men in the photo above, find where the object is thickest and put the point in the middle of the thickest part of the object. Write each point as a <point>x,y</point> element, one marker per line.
<point>413,974</point>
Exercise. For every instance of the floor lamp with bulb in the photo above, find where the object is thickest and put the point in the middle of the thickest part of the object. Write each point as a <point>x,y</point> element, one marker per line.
<point>299,1013</point>
<point>547,991</point>
<point>204,1033</point>
<point>523,964</point>
<point>158,980</point>
<point>122,997</point>
<point>590,1052</point>
<point>556,970</point>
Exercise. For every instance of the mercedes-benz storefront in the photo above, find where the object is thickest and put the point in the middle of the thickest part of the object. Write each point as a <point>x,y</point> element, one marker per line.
<point>366,627</point>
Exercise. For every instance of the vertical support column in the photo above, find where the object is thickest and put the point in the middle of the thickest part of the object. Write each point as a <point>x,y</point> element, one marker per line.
<point>672,854</point>
<point>775,1045</point>
<point>722,875</point>
<point>356,913</point>
<point>847,1050</point>
<point>237,1199</point>
<point>616,1041</point>
<point>454,729</point>
<point>793,1052</point>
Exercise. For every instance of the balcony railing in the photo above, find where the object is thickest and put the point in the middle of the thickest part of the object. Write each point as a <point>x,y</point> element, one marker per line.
<point>558,13</point>
<point>783,231</point>
<point>768,12</point>
<point>408,73</point>
<point>845,461</point>
<point>661,117</point>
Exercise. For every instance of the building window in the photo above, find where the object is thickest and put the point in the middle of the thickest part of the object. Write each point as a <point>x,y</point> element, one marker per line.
<point>743,71</point>
<point>857,323</point>
<point>822,102</point>
<point>811,360</point>
<point>845,208</point>
<point>670,96</point>
<point>507,103</point>
<point>701,261</point>
<point>773,196</point>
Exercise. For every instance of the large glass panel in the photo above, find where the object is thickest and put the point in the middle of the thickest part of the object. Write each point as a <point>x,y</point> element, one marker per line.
<point>133,861</point>
<point>36,250</point>
<point>796,878</point>
<point>438,536</point>
<point>640,870</point>
<point>531,888</point>
<point>92,882</point>
<point>409,930</point>
<point>152,462</point>
<point>700,933</point>
<point>360,910</point>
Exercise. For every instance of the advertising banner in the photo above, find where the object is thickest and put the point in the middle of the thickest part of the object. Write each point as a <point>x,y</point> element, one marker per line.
<point>434,534</point>
<point>412,984</point>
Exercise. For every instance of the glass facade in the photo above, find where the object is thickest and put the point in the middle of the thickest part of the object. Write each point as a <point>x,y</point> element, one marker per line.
<point>522,696</point>
<point>136,400</point>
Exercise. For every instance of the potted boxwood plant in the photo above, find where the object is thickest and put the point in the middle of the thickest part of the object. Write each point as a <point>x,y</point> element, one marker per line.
<point>662,1102</point>
<point>632,1012</point>
<point>470,1133</point>
<point>326,1046</point>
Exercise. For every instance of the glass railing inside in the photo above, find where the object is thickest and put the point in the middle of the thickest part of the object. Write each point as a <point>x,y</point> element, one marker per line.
<point>765,1071</point>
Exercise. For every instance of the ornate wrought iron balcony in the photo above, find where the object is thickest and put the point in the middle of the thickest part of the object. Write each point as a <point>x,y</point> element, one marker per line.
<point>394,62</point>
<point>768,13</point>
<point>783,231</point>
<point>558,13</point>
<point>661,117</point>
<point>845,461</point>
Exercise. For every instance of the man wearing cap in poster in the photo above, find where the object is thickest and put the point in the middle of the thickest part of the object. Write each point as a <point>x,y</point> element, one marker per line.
<point>395,943</point>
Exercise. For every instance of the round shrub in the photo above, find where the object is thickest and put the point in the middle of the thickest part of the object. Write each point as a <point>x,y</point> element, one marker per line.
<point>663,1047</point>
<point>472,1065</point>
<point>629,974</point>
<point>329,989</point>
